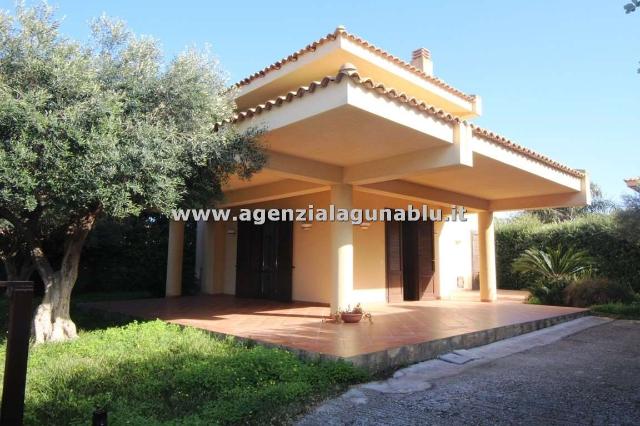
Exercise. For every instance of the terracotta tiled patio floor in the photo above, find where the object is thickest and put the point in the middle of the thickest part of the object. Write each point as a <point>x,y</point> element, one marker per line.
<point>300,326</point>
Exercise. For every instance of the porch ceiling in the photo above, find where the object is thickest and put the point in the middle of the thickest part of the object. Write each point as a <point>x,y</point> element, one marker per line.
<point>346,136</point>
<point>489,179</point>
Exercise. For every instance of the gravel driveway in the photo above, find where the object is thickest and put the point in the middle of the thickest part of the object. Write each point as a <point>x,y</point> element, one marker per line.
<point>583,372</point>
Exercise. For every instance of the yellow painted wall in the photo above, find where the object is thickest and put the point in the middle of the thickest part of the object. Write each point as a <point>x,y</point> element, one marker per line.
<point>311,275</point>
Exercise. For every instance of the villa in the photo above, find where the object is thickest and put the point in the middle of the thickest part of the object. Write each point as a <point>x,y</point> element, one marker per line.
<point>350,125</point>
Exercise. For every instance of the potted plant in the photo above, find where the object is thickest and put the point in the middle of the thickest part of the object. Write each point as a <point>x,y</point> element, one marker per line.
<point>354,315</point>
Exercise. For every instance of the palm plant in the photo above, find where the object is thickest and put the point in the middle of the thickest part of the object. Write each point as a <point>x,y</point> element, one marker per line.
<point>553,270</point>
<point>557,263</point>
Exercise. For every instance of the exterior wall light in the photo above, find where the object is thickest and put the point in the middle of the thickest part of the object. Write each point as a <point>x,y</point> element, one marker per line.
<point>365,225</point>
<point>306,226</point>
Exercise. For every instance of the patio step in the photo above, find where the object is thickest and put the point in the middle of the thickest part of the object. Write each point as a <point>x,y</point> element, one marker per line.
<point>393,358</point>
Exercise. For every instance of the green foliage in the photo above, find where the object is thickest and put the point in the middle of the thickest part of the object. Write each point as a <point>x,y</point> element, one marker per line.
<point>128,255</point>
<point>131,255</point>
<point>599,205</point>
<point>631,7</point>
<point>618,310</point>
<point>109,125</point>
<point>554,264</point>
<point>548,291</point>
<point>597,291</point>
<point>551,271</point>
<point>628,219</point>
<point>156,373</point>
<point>613,254</point>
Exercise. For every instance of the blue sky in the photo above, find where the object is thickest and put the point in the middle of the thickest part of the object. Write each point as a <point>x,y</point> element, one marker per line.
<point>558,77</point>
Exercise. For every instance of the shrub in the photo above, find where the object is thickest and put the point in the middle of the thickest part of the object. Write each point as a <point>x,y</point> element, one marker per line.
<point>596,291</point>
<point>551,271</point>
<point>548,292</point>
<point>615,255</point>
<point>131,255</point>
<point>553,264</point>
<point>628,219</point>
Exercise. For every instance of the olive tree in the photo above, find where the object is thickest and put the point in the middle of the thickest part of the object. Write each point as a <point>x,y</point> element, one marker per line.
<point>106,127</point>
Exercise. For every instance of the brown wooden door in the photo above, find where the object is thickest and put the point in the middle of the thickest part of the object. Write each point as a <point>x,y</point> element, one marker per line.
<point>409,261</point>
<point>248,260</point>
<point>425,255</point>
<point>410,266</point>
<point>265,260</point>
<point>283,268</point>
<point>394,265</point>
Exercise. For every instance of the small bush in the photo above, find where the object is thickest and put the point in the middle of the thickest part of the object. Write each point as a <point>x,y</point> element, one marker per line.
<point>596,291</point>
<point>548,292</point>
<point>552,270</point>
<point>554,263</point>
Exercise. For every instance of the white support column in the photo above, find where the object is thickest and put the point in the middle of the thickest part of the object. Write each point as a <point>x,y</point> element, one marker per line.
<point>341,249</point>
<point>174,258</point>
<point>442,272</point>
<point>486,242</point>
<point>208,258</point>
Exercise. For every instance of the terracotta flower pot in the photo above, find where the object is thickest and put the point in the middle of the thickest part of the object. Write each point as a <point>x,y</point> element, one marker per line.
<point>350,318</point>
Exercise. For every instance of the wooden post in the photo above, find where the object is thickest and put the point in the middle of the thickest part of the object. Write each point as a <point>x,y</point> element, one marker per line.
<point>20,295</point>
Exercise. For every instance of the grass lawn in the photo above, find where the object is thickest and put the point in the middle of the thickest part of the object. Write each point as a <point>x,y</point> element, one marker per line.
<point>157,373</point>
<point>618,310</point>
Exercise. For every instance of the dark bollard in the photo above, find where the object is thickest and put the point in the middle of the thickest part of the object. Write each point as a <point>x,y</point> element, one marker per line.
<point>99,417</point>
<point>20,294</point>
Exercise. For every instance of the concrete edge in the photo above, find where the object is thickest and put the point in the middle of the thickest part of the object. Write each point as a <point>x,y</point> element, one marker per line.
<point>381,361</point>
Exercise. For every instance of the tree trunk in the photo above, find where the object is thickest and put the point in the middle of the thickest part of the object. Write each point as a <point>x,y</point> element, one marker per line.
<point>15,272</point>
<point>52,321</point>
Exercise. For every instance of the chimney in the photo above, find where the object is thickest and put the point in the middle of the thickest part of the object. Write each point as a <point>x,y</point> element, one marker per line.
<point>421,59</point>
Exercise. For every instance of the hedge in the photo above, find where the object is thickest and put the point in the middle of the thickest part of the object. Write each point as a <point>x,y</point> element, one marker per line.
<point>131,255</point>
<point>127,255</point>
<point>616,257</point>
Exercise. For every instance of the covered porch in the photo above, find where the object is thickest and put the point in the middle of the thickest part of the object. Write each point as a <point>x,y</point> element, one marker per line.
<point>348,142</point>
<point>400,333</point>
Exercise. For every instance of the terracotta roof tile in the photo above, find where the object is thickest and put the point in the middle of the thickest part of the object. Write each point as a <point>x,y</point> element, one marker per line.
<point>494,137</point>
<point>350,73</point>
<point>341,32</point>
